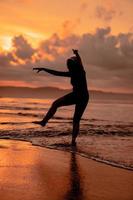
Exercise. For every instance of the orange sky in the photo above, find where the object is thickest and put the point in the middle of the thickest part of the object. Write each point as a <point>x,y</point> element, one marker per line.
<point>39,20</point>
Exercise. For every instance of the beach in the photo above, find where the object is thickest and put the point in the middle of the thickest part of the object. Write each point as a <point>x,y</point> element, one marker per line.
<point>39,162</point>
<point>106,130</point>
<point>28,172</point>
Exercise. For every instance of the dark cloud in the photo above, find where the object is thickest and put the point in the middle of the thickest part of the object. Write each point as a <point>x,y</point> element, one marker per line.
<point>55,42</point>
<point>126,44</point>
<point>108,59</point>
<point>22,48</point>
<point>6,59</point>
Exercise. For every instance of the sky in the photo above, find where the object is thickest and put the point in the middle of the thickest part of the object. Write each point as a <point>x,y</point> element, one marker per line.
<point>42,33</point>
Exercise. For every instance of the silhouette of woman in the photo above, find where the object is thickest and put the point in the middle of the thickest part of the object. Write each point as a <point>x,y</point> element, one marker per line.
<point>78,97</point>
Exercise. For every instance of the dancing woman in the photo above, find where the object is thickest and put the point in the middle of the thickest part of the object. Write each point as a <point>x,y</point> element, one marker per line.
<point>78,97</point>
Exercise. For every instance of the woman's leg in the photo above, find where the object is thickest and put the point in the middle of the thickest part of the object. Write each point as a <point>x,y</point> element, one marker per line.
<point>79,110</point>
<point>63,101</point>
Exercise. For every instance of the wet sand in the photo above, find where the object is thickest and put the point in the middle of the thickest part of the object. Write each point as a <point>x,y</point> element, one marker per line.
<point>28,172</point>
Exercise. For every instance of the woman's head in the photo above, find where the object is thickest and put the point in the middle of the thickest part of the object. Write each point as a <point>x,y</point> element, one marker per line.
<point>72,63</point>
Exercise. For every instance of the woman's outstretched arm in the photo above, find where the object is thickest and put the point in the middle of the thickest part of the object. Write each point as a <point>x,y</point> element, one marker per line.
<point>54,72</point>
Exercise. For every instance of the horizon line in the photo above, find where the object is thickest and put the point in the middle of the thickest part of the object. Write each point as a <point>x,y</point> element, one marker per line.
<point>104,91</point>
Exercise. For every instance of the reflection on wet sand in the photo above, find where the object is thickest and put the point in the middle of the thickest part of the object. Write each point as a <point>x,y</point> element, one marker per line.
<point>75,192</point>
<point>61,182</point>
<point>28,172</point>
<point>46,174</point>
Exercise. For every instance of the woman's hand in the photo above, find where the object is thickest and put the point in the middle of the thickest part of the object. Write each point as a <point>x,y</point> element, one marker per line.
<point>75,51</point>
<point>38,69</point>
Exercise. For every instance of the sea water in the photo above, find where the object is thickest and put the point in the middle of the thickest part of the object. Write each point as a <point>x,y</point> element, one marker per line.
<point>106,128</point>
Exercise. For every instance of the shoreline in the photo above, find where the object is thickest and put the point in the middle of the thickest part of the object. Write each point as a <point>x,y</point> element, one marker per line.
<point>91,157</point>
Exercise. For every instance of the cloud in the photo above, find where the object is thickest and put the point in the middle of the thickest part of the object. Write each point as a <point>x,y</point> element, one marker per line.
<point>22,48</point>
<point>108,59</point>
<point>105,14</point>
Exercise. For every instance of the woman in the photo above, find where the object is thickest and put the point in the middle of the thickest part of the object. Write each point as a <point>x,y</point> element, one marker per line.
<point>78,97</point>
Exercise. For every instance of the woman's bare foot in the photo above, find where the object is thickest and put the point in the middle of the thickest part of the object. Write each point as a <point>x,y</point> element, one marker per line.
<point>42,123</point>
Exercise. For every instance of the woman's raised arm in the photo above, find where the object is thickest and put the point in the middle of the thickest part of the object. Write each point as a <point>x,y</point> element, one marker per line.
<point>75,51</point>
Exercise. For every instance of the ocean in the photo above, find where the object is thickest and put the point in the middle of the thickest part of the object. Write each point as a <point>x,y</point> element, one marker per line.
<point>106,130</point>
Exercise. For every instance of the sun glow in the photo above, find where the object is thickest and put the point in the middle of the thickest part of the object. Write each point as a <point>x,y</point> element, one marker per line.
<point>6,42</point>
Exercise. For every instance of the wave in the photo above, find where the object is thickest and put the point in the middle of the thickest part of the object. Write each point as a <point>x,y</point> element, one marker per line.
<point>14,108</point>
<point>21,114</point>
<point>41,115</point>
<point>65,146</point>
<point>88,126</point>
<point>13,123</point>
<point>27,114</point>
<point>21,108</point>
<point>63,128</point>
<point>69,148</point>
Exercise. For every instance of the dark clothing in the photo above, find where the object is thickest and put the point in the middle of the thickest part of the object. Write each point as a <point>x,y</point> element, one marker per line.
<point>78,81</point>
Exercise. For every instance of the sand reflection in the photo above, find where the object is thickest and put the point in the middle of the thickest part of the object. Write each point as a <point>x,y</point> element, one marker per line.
<point>75,192</point>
